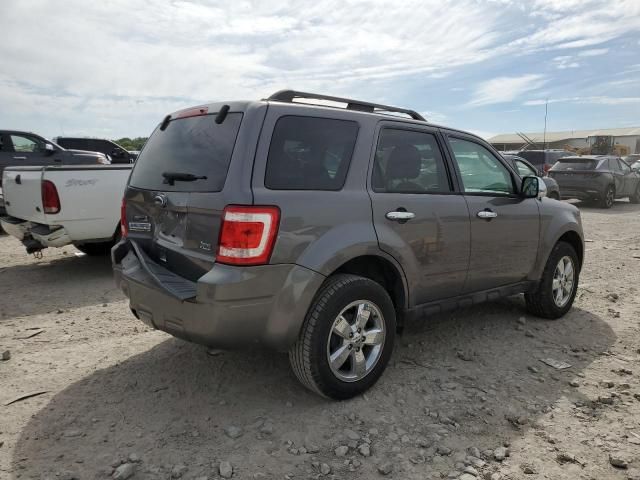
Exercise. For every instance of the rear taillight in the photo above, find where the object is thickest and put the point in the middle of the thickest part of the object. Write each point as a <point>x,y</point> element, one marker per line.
<point>124,228</point>
<point>247,234</point>
<point>50,198</point>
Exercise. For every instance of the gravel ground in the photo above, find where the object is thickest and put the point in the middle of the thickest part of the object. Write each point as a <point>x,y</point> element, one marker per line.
<point>466,394</point>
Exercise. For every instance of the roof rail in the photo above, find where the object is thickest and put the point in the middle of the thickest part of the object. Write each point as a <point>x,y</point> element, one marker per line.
<point>290,95</point>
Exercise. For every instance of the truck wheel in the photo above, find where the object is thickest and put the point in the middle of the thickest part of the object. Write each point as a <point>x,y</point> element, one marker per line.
<point>608,198</point>
<point>346,339</point>
<point>96,249</point>
<point>635,198</point>
<point>557,288</point>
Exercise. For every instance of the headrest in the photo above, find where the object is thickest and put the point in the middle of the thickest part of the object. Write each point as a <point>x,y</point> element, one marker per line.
<point>404,162</point>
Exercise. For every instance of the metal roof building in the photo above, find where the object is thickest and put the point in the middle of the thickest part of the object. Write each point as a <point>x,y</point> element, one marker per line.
<point>629,136</point>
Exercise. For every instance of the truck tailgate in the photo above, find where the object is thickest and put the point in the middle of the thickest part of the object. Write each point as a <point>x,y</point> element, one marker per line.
<point>23,193</point>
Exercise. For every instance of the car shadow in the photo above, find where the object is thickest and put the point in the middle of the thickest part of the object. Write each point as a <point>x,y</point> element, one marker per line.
<point>57,283</point>
<point>469,378</point>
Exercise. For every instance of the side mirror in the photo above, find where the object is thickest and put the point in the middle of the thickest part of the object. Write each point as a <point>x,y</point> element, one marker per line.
<point>533,187</point>
<point>49,149</point>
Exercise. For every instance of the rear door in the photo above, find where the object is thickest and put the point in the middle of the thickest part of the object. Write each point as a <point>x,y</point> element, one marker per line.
<point>618,177</point>
<point>177,222</point>
<point>505,227</point>
<point>418,218</point>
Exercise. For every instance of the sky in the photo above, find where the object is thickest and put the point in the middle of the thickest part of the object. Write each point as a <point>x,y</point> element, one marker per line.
<point>115,68</point>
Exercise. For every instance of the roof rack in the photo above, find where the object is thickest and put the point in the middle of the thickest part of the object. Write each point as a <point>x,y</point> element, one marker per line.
<point>290,95</point>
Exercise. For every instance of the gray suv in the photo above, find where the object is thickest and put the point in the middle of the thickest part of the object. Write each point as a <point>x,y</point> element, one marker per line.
<point>320,230</point>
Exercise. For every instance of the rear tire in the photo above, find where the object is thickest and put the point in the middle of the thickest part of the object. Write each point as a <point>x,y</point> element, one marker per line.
<point>545,301</point>
<point>608,198</point>
<point>635,198</point>
<point>336,327</point>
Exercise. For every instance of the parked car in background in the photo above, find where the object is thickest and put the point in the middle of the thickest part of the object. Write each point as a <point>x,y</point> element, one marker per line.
<point>635,166</point>
<point>25,148</point>
<point>318,230</point>
<point>117,153</point>
<point>57,206</point>
<point>524,168</point>
<point>543,160</point>
<point>596,178</point>
<point>633,159</point>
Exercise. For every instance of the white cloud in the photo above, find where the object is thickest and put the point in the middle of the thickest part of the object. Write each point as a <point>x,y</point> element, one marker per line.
<point>593,52</point>
<point>505,89</point>
<point>598,99</point>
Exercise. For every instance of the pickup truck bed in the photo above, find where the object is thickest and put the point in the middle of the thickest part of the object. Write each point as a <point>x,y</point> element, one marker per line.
<point>89,205</point>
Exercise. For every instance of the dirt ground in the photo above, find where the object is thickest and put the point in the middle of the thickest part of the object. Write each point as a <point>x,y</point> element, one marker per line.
<point>460,387</point>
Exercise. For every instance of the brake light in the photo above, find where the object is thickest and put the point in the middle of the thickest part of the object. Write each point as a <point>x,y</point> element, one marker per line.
<point>247,234</point>
<point>124,227</point>
<point>192,112</point>
<point>50,198</point>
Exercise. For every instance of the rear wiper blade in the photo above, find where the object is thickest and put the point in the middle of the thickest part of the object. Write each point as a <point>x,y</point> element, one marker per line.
<point>171,177</point>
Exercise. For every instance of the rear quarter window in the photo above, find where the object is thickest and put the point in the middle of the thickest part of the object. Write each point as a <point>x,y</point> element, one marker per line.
<point>309,153</point>
<point>193,145</point>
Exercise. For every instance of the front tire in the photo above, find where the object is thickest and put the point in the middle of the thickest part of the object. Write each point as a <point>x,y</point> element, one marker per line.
<point>554,295</point>
<point>609,197</point>
<point>346,339</point>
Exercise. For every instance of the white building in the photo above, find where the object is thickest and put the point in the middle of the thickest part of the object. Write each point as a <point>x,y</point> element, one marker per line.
<point>629,137</point>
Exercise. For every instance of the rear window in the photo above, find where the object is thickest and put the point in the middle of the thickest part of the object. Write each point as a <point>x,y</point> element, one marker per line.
<point>193,145</point>
<point>308,153</point>
<point>575,164</point>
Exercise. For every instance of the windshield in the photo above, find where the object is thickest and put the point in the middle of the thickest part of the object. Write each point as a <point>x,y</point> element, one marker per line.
<point>193,145</point>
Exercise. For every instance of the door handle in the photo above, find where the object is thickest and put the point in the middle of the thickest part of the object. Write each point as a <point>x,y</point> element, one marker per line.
<point>19,158</point>
<point>487,214</point>
<point>400,216</point>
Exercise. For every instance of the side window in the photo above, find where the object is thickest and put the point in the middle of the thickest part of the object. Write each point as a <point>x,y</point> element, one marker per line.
<point>407,161</point>
<point>524,170</point>
<point>308,153</point>
<point>481,171</point>
<point>615,165</point>
<point>24,144</point>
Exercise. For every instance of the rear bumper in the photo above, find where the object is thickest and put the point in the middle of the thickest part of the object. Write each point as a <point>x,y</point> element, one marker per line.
<point>581,194</point>
<point>47,236</point>
<point>228,307</point>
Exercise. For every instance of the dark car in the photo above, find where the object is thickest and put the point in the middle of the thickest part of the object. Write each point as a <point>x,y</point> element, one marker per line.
<point>116,153</point>
<point>18,149</point>
<point>543,160</point>
<point>524,168</point>
<point>319,230</point>
<point>596,178</point>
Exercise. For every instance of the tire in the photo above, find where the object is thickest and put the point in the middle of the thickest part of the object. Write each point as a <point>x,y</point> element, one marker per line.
<point>319,340</point>
<point>635,198</point>
<point>542,301</point>
<point>608,198</point>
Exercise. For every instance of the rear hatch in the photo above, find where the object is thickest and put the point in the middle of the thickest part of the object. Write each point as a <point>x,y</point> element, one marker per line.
<point>22,190</point>
<point>575,173</point>
<point>175,199</point>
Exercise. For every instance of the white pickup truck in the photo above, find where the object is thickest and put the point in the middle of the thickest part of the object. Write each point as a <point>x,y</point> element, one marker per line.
<point>60,205</point>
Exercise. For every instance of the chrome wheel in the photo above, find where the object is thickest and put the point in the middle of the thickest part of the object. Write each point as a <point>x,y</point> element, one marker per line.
<point>563,281</point>
<point>610,198</point>
<point>356,340</point>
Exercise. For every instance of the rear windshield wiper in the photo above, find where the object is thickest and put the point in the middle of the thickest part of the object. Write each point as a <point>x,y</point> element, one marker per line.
<point>171,177</point>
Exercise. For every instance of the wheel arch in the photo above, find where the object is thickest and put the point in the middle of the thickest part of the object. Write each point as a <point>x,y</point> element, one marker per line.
<point>573,238</point>
<point>383,271</point>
